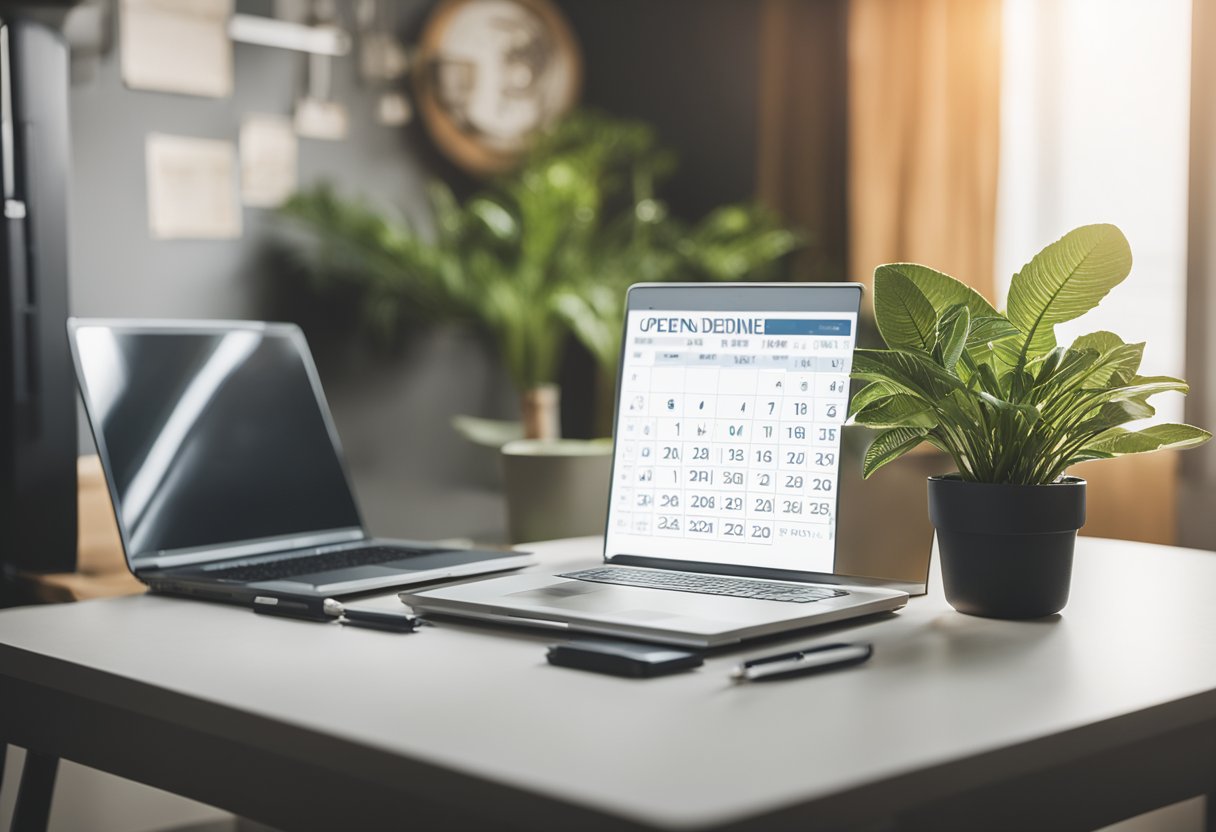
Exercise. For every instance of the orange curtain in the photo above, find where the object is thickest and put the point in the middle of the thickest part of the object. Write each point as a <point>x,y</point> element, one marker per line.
<point>924,130</point>
<point>802,127</point>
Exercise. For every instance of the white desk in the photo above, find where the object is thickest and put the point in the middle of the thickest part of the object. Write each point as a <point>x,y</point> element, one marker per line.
<point>956,723</point>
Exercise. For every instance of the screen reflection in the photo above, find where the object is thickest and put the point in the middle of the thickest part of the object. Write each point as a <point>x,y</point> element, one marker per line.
<point>211,437</point>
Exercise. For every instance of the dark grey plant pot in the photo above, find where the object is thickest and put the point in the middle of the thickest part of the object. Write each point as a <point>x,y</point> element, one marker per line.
<point>1006,550</point>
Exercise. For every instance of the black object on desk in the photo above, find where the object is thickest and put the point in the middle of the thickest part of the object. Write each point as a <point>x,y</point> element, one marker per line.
<point>393,622</point>
<point>623,658</point>
<point>297,606</point>
<point>307,608</point>
<point>803,662</point>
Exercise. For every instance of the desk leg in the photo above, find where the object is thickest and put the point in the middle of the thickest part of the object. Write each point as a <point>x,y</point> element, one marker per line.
<point>34,793</point>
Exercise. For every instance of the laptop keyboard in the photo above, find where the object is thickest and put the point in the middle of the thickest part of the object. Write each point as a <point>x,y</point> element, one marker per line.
<point>705,584</point>
<point>280,568</point>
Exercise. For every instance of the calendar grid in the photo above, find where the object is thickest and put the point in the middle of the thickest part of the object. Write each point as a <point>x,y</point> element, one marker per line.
<point>733,440</point>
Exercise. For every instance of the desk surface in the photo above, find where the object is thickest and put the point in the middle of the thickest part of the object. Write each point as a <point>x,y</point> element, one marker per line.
<point>948,703</point>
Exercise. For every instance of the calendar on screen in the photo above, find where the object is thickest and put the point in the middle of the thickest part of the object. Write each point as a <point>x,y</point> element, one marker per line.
<point>728,436</point>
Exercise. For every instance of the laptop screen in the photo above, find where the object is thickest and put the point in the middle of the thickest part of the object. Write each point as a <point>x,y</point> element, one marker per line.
<point>730,411</point>
<point>211,436</point>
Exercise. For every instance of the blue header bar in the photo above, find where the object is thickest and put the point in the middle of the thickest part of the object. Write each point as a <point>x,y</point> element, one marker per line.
<point>786,326</point>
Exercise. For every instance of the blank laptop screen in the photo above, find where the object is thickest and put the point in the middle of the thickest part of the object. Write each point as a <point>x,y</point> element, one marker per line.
<point>728,437</point>
<point>211,438</point>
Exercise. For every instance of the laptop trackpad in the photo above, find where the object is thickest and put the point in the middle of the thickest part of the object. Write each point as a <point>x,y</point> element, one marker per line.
<point>573,595</point>
<point>343,575</point>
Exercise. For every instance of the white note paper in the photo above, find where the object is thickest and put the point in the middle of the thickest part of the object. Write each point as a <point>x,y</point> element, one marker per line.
<point>177,46</point>
<point>269,160</point>
<point>192,188</point>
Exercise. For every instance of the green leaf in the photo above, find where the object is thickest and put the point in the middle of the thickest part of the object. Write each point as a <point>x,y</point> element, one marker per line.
<point>1156,438</point>
<point>449,221</point>
<point>1064,281</point>
<point>989,329</point>
<point>952,332</point>
<point>1016,384</point>
<point>1049,366</point>
<point>1113,414</point>
<point>1145,386</point>
<point>941,290</point>
<point>1073,365</point>
<point>1088,456</point>
<point>872,392</point>
<point>913,372</point>
<point>1028,411</point>
<point>904,315</point>
<point>889,446</point>
<point>495,218</point>
<point>1117,366</point>
<point>1114,356</point>
<point>1102,341</point>
<point>592,318</point>
<point>988,380</point>
<point>897,411</point>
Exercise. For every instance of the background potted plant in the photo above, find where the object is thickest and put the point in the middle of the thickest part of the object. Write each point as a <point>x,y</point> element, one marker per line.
<point>1012,409</point>
<point>540,254</point>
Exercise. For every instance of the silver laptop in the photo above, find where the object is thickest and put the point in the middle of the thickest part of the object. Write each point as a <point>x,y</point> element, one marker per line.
<point>224,466</point>
<point>731,400</point>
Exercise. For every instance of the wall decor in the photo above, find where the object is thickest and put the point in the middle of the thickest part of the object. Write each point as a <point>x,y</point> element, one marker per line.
<point>179,46</point>
<point>269,160</point>
<point>489,74</point>
<point>192,188</point>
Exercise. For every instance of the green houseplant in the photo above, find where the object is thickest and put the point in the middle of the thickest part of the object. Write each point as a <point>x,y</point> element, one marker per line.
<point>1013,409</point>
<point>539,254</point>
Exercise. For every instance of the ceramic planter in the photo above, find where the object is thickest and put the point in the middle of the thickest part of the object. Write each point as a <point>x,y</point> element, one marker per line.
<point>1006,550</point>
<point>556,489</point>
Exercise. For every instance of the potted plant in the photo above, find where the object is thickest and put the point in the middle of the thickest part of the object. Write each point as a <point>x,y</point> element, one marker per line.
<point>1014,411</point>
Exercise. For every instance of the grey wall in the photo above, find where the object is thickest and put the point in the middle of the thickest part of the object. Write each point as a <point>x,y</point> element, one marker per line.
<point>414,476</point>
<point>117,268</point>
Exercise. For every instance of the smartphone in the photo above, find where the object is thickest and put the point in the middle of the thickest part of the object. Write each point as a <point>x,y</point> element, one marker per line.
<point>623,658</point>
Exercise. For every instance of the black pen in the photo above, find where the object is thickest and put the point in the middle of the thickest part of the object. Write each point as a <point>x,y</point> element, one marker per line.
<point>803,662</point>
<point>306,607</point>
<point>394,622</point>
<point>311,608</point>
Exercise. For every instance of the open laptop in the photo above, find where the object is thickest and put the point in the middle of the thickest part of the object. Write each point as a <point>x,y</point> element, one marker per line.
<point>731,400</point>
<point>225,470</point>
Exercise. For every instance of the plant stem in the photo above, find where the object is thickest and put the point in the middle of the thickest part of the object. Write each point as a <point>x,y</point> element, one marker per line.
<point>540,412</point>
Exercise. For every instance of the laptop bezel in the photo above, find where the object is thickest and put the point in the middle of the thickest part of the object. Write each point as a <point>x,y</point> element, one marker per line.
<point>642,294</point>
<point>142,562</point>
